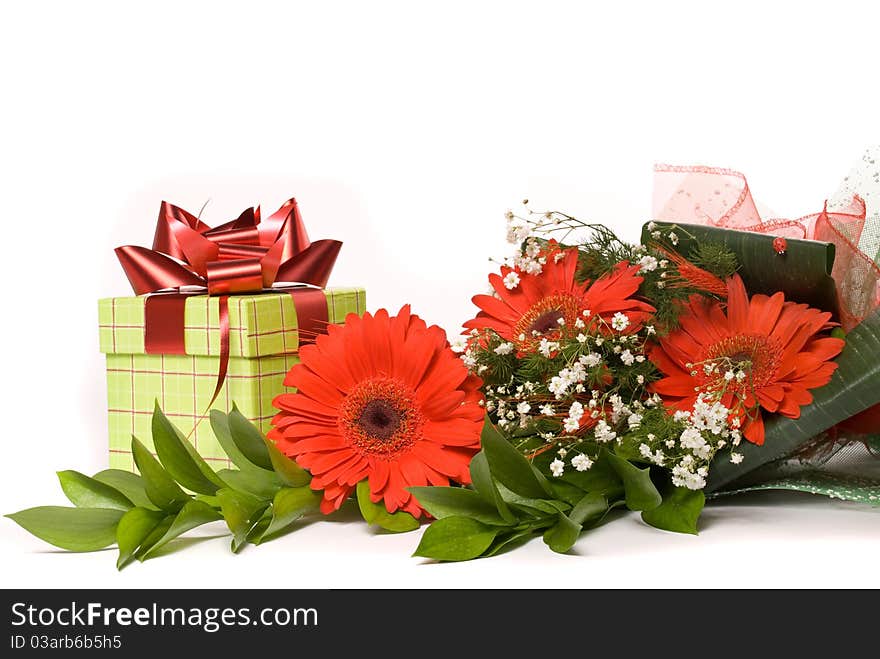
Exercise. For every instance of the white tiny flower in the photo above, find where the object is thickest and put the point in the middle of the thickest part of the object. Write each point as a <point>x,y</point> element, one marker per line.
<point>640,379</point>
<point>729,375</point>
<point>578,323</point>
<point>663,263</point>
<point>581,338</point>
<point>655,235</point>
<point>673,238</point>
<point>561,452</point>
<point>517,230</point>
<point>619,321</point>
<point>458,343</point>
<point>640,358</point>
<point>627,357</point>
<point>740,375</point>
<point>523,408</point>
<point>634,421</point>
<point>557,467</point>
<point>560,322</point>
<point>511,280</point>
<point>599,340</point>
<point>590,360</point>
<point>469,360</point>
<point>571,425</point>
<point>650,330</point>
<point>504,349</point>
<point>585,313</point>
<point>736,458</point>
<point>647,264</point>
<point>652,226</point>
<point>547,409</point>
<point>661,284</point>
<point>581,462</point>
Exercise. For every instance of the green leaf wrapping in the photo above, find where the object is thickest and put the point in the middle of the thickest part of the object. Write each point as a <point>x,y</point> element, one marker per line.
<point>640,492</point>
<point>803,274</point>
<point>85,492</point>
<point>456,539</point>
<point>180,459</point>
<point>510,468</point>
<point>590,509</point>
<point>678,512</point>
<point>854,387</point>
<point>74,529</point>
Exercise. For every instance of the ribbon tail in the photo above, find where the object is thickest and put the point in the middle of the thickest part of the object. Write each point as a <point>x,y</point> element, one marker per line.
<point>223,303</point>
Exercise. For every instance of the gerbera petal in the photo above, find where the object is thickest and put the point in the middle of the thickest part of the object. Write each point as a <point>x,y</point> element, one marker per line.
<point>753,430</point>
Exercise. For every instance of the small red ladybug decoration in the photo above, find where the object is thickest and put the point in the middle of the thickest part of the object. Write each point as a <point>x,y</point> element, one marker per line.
<point>780,244</point>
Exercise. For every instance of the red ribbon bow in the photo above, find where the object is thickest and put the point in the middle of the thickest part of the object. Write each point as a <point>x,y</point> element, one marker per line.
<point>246,255</point>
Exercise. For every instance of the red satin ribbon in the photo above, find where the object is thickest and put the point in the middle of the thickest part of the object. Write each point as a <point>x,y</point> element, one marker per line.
<point>722,198</point>
<point>246,255</point>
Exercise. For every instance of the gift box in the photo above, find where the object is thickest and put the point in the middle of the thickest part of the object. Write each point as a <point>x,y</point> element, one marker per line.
<point>220,314</point>
<point>263,339</point>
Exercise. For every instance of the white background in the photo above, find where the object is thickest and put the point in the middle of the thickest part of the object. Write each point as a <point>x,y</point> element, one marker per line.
<point>406,130</point>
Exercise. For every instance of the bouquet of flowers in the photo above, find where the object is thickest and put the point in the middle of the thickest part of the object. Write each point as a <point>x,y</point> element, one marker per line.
<point>711,358</point>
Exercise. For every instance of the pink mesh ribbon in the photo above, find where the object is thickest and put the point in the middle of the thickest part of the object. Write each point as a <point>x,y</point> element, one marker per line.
<point>722,198</point>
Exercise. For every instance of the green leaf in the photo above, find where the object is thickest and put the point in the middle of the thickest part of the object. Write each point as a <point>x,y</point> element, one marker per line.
<point>679,511</point>
<point>485,486</point>
<point>85,492</point>
<point>248,439</point>
<point>290,473</point>
<point>537,507</point>
<point>133,529</point>
<point>159,486</point>
<point>601,478</point>
<point>74,529</point>
<point>506,540</point>
<point>854,387</point>
<point>456,539</point>
<point>589,509</point>
<point>291,504</point>
<point>803,274</point>
<point>641,494</point>
<point>263,485</point>
<point>510,468</point>
<point>193,514</point>
<point>130,484</point>
<point>180,459</point>
<point>220,426</point>
<point>241,511</point>
<point>561,536</point>
<point>376,513</point>
<point>457,501</point>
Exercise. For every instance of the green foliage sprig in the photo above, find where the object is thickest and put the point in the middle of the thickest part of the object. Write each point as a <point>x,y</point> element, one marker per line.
<point>511,501</point>
<point>262,498</point>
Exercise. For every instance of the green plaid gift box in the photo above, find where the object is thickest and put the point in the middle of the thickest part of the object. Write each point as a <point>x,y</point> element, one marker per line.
<point>263,341</point>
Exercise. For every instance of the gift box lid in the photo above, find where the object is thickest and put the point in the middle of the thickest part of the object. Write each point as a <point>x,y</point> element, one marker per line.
<point>259,325</point>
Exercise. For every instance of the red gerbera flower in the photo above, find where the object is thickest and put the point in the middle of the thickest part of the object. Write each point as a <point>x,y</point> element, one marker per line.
<point>533,307</point>
<point>383,399</point>
<point>759,353</point>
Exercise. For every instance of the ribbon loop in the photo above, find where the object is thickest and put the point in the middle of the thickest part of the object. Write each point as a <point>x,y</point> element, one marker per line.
<point>241,256</point>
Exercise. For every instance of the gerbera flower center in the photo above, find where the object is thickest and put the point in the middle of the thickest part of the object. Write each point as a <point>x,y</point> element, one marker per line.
<point>380,417</point>
<point>749,360</point>
<point>543,317</point>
